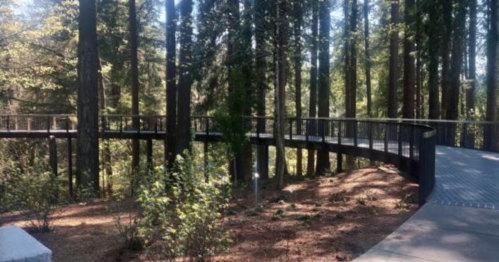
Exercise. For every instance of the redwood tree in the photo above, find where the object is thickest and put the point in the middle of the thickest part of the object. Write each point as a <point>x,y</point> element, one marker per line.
<point>409,48</point>
<point>134,66</point>
<point>298,79</point>
<point>87,160</point>
<point>171,83</point>
<point>490,136</point>
<point>323,164</point>
<point>393,70</point>
<point>312,111</point>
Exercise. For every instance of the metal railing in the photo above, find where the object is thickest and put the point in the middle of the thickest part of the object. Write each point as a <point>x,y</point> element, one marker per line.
<point>407,143</point>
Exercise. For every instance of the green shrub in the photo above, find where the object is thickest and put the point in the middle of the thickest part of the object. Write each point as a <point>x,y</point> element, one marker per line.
<point>34,195</point>
<point>181,213</point>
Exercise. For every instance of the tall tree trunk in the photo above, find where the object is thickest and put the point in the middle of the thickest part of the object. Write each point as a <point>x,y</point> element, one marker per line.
<point>351,109</point>
<point>323,164</point>
<point>491,134</point>
<point>346,55</point>
<point>245,158</point>
<point>313,84</point>
<point>87,161</point>
<point>470,93</point>
<point>298,80</point>
<point>281,40</point>
<point>433,64</point>
<point>368,58</point>
<point>418,40</point>
<point>446,48</point>
<point>261,84</point>
<point>409,77</point>
<point>185,78</point>
<point>454,81</point>
<point>171,83</point>
<point>394,50</point>
<point>134,43</point>
<point>106,151</point>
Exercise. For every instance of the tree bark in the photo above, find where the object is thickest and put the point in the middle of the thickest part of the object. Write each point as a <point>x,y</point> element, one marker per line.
<point>491,134</point>
<point>171,83</point>
<point>454,81</point>
<point>261,84</point>
<point>87,161</point>
<point>394,50</point>
<point>470,93</point>
<point>184,78</point>
<point>409,48</point>
<point>446,47</point>
<point>281,40</point>
<point>298,80</point>
<point>313,84</point>
<point>134,66</point>
<point>323,164</point>
<point>433,64</point>
<point>368,58</point>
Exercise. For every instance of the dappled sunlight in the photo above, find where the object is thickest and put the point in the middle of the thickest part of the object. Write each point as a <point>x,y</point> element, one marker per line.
<point>326,219</point>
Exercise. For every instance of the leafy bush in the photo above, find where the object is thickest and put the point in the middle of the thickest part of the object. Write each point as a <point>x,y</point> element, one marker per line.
<point>33,195</point>
<point>181,212</point>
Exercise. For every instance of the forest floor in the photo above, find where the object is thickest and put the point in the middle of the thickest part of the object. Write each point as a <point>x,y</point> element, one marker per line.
<point>326,219</point>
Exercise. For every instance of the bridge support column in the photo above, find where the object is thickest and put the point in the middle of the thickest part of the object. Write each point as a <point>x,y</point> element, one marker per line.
<point>149,154</point>
<point>70,167</point>
<point>263,161</point>
<point>205,157</point>
<point>339,162</point>
<point>53,158</point>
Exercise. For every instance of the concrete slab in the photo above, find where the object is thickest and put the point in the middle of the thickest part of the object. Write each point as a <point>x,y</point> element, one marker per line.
<point>18,246</point>
<point>461,222</point>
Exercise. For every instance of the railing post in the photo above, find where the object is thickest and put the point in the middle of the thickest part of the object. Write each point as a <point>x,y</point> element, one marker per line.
<point>411,148</point>
<point>67,124</point>
<point>291,129</point>
<point>258,128</point>
<point>8,123</point>
<point>48,124</point>
<point>70,167</point>
<point>355,126</point>
<point>339,156</point>
<point>323,126</point>
<point>387,130</point>
<point>308,130</point>
<point>207,123</point>
<point>339,133</point>
<point>156,124</point>
<point>400,129</point>
<point>121,124</point>
<point>370,135</point>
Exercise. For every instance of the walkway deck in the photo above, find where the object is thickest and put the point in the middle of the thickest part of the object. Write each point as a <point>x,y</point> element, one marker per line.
<point>461,220</point>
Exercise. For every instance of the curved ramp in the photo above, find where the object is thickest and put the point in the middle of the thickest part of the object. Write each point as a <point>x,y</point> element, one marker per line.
<point>461,220</point>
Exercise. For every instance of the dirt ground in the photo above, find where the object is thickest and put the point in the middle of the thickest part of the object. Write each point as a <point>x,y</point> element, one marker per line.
<point>326,219</point>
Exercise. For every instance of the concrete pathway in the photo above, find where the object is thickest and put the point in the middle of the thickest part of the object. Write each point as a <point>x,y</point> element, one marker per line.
<point>461,220</point>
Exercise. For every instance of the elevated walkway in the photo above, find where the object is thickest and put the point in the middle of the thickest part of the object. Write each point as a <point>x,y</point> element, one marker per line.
<point>460,222</point>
